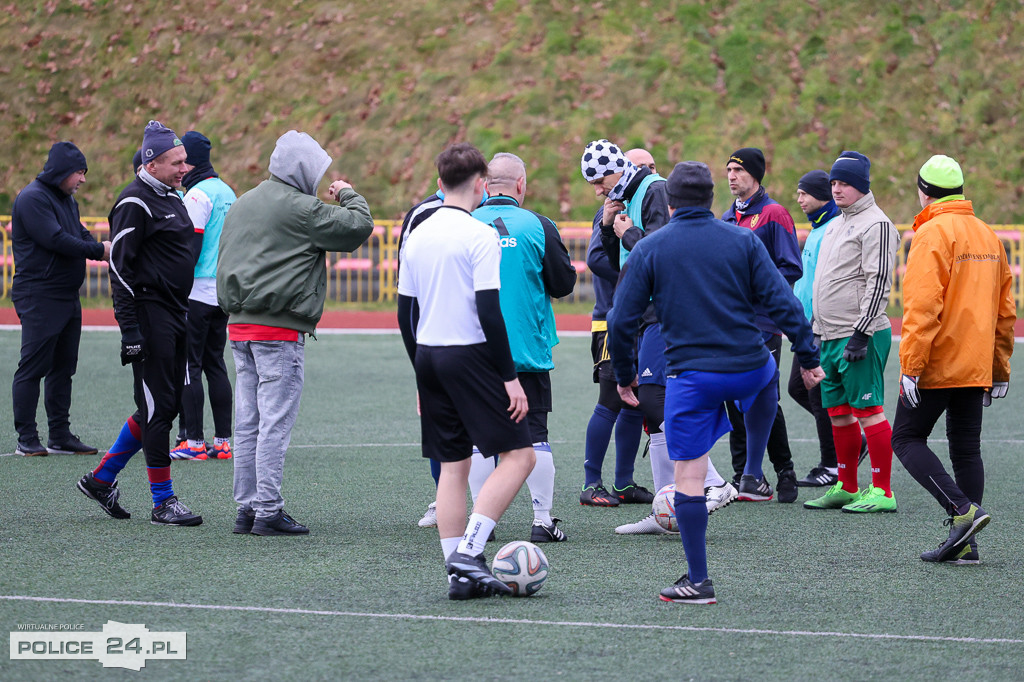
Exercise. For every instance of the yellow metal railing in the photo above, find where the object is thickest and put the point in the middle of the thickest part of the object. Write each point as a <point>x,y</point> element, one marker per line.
<point>370,272</point>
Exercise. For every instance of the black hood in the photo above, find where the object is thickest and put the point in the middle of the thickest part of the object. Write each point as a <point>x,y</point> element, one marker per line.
<point>65,158</point>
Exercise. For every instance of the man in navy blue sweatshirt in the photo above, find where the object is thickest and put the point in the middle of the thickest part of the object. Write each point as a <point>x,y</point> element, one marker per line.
<point>50,247</point>
<point>771,222</point>
<point>704,278</point>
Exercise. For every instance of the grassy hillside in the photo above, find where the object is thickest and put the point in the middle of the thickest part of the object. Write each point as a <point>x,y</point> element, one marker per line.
<point>385,85</point>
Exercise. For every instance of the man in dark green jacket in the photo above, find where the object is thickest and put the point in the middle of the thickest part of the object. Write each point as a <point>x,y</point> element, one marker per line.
<point>272,282</point>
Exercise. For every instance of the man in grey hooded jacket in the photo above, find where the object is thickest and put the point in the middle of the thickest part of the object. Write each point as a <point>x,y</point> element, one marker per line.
<point>272,282</point>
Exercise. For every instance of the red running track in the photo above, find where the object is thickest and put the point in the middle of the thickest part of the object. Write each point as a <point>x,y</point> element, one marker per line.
<point>346,319</point>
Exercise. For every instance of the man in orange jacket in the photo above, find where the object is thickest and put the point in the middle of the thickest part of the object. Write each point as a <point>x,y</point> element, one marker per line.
<point>958,317</point>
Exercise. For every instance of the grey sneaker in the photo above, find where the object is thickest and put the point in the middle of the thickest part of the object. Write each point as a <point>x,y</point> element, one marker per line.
<point>961,529</point>
<point>172,512</point>
<point>685,591</point>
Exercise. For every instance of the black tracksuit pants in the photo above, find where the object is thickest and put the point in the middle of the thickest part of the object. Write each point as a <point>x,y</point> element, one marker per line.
<point>911,428</point>
<point>811,401</point>
<point>51,330</point>
<point>207,336</point>
<point>778,439</point>
<point>159,378</point>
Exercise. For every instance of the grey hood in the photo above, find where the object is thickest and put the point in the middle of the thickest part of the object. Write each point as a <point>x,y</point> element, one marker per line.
<point>299,161</point>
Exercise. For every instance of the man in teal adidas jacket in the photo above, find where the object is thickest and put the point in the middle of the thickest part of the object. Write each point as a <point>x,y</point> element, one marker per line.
<point>535,267</point>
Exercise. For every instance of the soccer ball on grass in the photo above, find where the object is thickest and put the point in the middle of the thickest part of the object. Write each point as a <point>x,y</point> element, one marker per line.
<point>522,566</point>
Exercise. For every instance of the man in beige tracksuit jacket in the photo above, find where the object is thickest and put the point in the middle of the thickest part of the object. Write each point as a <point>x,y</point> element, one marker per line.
<point>851,290</point>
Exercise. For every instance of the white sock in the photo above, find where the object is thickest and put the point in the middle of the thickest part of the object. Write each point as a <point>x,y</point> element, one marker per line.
<point>662,468</point>
<point>220,441</point>
<point>477,531</point>
<point>196,443</point>
<point>832,470</point>
<point>541,483</point>
<point>479,470</point>
<point>449,545</point>
<point>713,478</point>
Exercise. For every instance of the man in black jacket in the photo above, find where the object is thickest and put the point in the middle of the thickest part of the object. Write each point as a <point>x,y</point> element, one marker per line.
<point>50,247</point>
<point>153,253</point>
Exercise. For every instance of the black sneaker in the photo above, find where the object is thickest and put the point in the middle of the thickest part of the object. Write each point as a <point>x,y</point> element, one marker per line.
<point>786,487</point>
<point>173,512</point>
<point>70,445</point>
<point>278,524</point>
<point>244,521</point>
<point>597,496</point>
<point>541,532</point>
<point>818,477</point>
<point>962,529</point>
<point>634,494</point>
<point>106,495</point>
<point>753,490</point>
<point>460,588</point>
<point>30,448</point>
<point>684,591</point>
<point>473,569</point>
<point>968,555</point>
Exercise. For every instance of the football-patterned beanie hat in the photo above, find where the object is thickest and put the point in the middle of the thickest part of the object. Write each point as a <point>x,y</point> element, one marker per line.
<point>602,158</point>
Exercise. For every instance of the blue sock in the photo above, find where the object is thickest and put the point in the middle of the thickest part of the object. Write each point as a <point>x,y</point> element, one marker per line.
<point>126,445</point>
<point>758,421</point>
<point>435,471</point>
<point>599,433</point>
<point>628,428</point>
<point>692,517</point>
<point>160,484</point>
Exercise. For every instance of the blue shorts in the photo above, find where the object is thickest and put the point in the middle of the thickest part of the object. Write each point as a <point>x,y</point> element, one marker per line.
<point>695,416</point>
<point>651,357</point>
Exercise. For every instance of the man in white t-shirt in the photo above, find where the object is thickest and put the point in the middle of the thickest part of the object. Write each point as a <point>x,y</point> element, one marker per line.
<point>468,391</point>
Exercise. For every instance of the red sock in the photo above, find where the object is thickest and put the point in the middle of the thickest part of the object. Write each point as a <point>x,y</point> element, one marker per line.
<point>847,440</point>
<point>880,451</point>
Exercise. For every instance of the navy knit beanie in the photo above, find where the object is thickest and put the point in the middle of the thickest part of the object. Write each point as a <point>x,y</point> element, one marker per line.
<point>137,161</point>
<point>854,169</point>
<point>752,160</point>
<point>197,146</point>
<point>690,184</point>
<point>157,139</point>
<point>817,185</point>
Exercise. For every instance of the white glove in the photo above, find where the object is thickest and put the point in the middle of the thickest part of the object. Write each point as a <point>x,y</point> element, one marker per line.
<point>998,390</point>
<point>908,391</point>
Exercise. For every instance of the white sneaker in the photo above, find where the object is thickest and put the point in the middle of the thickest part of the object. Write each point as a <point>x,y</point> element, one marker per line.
<point>719,496</point>
<point>429,519</point>
<point>645,526</point>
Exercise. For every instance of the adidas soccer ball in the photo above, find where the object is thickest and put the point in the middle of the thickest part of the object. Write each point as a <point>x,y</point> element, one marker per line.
<point>522,566</point>
<point>664,508</point>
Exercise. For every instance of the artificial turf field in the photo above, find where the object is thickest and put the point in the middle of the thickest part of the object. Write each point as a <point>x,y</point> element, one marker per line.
<point>802,595</point>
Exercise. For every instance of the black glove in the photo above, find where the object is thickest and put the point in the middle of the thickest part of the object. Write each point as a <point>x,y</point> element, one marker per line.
<point>856,347</point>
<point>133,346</point>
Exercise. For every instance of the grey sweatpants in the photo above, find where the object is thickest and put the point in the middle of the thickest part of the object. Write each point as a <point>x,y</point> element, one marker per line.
<point>268,386</point>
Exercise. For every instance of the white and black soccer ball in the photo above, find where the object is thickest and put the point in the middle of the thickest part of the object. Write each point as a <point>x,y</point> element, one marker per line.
<point>664,508</point>
<point>522,566</point>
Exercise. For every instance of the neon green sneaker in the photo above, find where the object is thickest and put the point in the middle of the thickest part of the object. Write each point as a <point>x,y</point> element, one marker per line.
<point>871,500</point>
<point>835,498</point>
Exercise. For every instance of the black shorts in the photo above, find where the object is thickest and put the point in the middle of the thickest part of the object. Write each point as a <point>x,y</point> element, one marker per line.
<point>537,387</point>
<point>463,403</point>
<point>602,360</point>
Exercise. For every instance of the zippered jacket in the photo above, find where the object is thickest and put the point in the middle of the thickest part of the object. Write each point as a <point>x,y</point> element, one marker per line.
<point>958,310</point>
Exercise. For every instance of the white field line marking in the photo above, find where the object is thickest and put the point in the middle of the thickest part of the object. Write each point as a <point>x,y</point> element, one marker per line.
<point>517,621</point>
